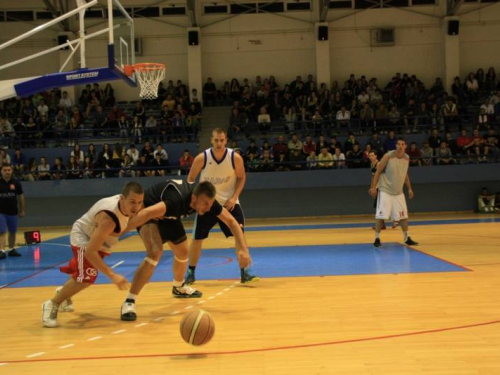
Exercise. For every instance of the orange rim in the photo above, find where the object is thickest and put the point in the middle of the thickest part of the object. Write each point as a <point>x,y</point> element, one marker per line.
<point>129,69</point>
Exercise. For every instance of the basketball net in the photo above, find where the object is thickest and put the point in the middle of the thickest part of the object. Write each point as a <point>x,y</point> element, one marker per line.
<point>149,76</point>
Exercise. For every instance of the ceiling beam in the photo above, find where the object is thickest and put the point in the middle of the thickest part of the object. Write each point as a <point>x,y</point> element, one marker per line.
<point>324,6</point>
<point>452,6</point>
<point>191,9</point>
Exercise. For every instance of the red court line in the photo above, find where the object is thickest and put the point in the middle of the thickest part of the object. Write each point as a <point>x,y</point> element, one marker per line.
<point>33,274</point>
<point>430,255</point>
<point>167,355</point>
<point>227,260</point>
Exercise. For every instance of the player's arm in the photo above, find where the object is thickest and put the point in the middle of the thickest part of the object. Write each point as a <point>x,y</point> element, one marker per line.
<point>196,168</point>
<point>239,236</point>
<point>105,227</point>
<point>408,185</point>
<point>380,167</point>
<point>153,212</point>
<point>241,177</point>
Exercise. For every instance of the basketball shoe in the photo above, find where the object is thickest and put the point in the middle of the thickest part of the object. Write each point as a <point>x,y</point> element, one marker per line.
<point>185,291</point>
<point>66,305</point>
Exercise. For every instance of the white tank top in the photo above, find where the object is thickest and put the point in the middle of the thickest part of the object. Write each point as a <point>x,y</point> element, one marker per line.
<point>221,173</point>
<point>85,226</point>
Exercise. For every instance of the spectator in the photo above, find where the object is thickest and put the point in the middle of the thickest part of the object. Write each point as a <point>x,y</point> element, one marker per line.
<point>160,151</point>
<point>343,117</point>
<point>185,162</point>
<point>280,147</point>
<point>472,87</point>
<point>415,155</point>
<point>143,167</point>
<point>87,168</point>
<point>295,146</point>
<point>137,129</point>
<point>78,154</point>
<point>390,141</point>
<point>127,167</point>
<point>209,92</point>
<point>427,154</point>
<point>394,117</point>
<point>150,129</point>
<point>65,103</point>
<point>58,170</point>
<point>312,160</point>
<point>4,157</point>
<point>264,121</point>
<point>266,163</point>
<point>43,169</point>
<point>20,163</point>
<point>450,112</point>
<point>325,159</point>
<point>252,149</point>
<point>491,141</point>
<point>444,155</point>
<point>464,143</point>
<point>308,146</point>
<point>282,163</point>
<point>355,157</point>
<point>73,169</point>
<point>106,161</point>
<point>133,153</point>
<point>321,144</point>
<point>435,139</point>
<point>486,201</point>
<point>124,127</point>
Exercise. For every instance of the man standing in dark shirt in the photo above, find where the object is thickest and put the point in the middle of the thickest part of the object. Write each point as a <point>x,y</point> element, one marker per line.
<point>11,192</point>
<point>166,203</point>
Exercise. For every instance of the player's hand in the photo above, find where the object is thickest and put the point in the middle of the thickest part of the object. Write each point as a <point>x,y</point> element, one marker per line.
<point>21,214</point>
<point>373,192</point>
<point>230,203</point>
<point>120,281</point>
<point>244,259</point>
<point>410,194</point>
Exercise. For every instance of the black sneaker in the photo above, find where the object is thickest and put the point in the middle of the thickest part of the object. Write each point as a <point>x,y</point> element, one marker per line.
<point>410,242</point>
<point>247,278</point>
<point>377,243</point>
<point>190,279</point>
<point>128,313</point>
<point>2,255</point>
<point>14,253</point>
<point>185,291</point>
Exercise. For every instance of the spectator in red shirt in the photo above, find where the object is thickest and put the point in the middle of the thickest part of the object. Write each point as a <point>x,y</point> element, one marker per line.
<point>308,146</point>
<point>415,155</point>
<point>185,162</point>
<point>464,143</point>
<point>280,147</point>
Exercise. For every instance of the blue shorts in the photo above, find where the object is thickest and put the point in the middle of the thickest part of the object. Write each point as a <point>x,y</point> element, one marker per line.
<point>8,222</point>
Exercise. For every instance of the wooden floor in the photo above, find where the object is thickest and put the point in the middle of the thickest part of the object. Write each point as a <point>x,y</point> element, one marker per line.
<point>414,323</point>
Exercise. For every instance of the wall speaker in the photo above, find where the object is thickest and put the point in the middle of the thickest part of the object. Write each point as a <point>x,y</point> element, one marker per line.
<point>322,32</point>
<point>453,27</point>
<point>193,38</point>
<point>61,39</point>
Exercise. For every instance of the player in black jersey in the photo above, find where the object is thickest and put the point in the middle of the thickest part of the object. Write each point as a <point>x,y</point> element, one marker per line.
<point>166,203</point>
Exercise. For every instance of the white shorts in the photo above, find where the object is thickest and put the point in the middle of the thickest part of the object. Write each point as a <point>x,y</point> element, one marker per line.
<point>393,206</point>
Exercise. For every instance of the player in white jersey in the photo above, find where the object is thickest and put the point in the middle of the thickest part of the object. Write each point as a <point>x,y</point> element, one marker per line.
<point>391,175</point>
<point>225,169</point>
<point>92,237</point>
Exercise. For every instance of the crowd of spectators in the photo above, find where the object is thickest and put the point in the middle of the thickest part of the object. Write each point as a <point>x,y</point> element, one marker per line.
<point>298,153</point>
<point>52,116</point>
<point>116,161</point>
<point>360,105</point>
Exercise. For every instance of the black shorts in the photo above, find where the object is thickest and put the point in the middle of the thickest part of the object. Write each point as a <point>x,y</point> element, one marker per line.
<point>170,230</point>
<point>204,223</point>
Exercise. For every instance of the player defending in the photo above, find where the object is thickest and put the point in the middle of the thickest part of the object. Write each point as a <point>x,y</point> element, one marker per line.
<point>225,169</point>
<point>391,175</point>
<point>166,203</point>
<point>92,237</point>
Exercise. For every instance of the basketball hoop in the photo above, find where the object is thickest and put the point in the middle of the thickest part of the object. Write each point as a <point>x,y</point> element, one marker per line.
<point>149,76</point>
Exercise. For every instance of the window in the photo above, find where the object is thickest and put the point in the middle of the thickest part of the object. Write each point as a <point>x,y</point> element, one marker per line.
<point>425,2</point>
<point>18,15</point>
<point>303,5</point>
<point>366,4</point>
<point>395,3</point>
<point>173,11</point>
<point>46,15</point>
<point>147,12</point>
<point>337,4</point>
<point>271,7</point>
<point>215,9</point>
<point>2,16</point>
<point>93,13</point>
<point>246,8</point>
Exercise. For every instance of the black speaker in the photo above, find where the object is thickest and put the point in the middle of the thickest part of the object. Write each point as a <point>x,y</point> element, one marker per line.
<point>61,39</point>
<point>453,27</point>
<point>193,38</point>
<point>322,32</point>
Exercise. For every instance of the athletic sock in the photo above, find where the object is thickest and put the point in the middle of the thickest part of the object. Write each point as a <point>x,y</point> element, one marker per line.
<point>131,297</point>
<point>377,235</point>
<point>192,268</point>
<point>178,284</point>
<point>406,236</point>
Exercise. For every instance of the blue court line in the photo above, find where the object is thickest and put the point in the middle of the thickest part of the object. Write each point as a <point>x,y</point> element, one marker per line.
<point>217,264</point>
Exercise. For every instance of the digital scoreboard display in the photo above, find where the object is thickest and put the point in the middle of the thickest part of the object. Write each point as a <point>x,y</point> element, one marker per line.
<point>32,237</point>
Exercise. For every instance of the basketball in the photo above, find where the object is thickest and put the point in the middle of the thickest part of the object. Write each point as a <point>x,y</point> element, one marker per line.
<point>197,327</point>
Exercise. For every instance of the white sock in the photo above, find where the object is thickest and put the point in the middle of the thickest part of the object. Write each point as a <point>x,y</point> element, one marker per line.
<point>132,296</point>
<point>377,235</point>
<point>406,236</point>
<point>178,284</point>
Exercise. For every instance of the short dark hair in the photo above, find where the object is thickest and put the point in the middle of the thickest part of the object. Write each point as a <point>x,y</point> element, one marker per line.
<point>401,139</point>
<point>219,131</point>
<point>132,187</point>
<point>6,165</point>
<point>206,188</point>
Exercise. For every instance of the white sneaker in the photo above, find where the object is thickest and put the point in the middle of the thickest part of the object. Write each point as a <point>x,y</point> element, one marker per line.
<point>185,291</point>
<point>128,313</point>
<point>66,305</point>
<point>49,314</point>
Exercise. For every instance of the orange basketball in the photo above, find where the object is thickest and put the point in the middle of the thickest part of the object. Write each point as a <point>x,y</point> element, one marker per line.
<point>197,327</point>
